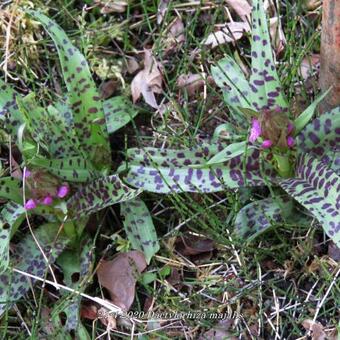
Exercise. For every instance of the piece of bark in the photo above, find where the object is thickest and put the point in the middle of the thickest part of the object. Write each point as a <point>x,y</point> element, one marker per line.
<point>330,54</point>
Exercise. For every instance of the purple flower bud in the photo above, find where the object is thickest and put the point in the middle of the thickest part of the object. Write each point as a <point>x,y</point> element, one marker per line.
<point>290,141</point>
<point>290,128</point>
<point>63,191</point>
<point>48,200</point>
<point>30,204</point>
<point>255,131</point>
<point>27,173</point>
<point>267,144</point>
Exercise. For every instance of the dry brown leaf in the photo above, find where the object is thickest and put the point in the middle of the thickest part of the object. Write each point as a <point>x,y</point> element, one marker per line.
<point>132,65</point>
<point>175,35</point>
<point>191,82</point>
<point>231,32</point>
<point>190,244</point>
<point>119,276</point>
<point>316,329</point>
<point>312,5</point>
<point>111,6</point>
<point>162,8</point>
<point>220,331</point>
<point>241,7</point>
<point>276,34</point>
<point>107,88</point>
<point>309,64</point>
<point>334,251</point>
<point>148,81</point>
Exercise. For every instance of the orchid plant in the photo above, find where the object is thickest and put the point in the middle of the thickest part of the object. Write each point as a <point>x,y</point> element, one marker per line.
<point>66,175</point>
<point>296,158</point>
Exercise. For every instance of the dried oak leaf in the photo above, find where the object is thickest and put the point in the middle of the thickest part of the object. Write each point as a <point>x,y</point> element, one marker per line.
<point>148,81</point>
<point>316,329</point>
<point>119,277</point>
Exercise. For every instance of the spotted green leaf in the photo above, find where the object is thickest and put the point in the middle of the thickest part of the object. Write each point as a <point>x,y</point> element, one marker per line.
<point>158,171</point>
<point>321,139</point>
<point>86,104</point>
<point>28,258</point>
<point>10,189</point>
<point>317,188</point>
<point>118,112</point>
<point>10,116</point>
<point>257,217</point>
<point>73,169</point>
<point>99,194</point>
<point>11,216</point>
<point>139,227</point>
<point>264,81</point>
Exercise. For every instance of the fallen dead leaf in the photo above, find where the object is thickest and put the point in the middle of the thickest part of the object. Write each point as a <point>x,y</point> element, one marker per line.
<point>316,329</point>
<point>132,65</point>
<point>175,36</point>
<point>190,244</point>
<point>312,5</point>
<point>148,81</point>
<point>191,82</point>
<point>277,35</point>
<point>230,32</point>
<point>241,7</point>
<point>162,8</point>
<point>220,331</point>
<point>107,88</point>
<point>334,251</point>
<point>308,65</point>
<point>119,277</point>
<point>111,6</point>
<point>89,312</point>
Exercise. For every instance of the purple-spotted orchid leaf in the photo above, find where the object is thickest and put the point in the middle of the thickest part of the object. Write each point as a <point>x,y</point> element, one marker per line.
<point>86,104</point>
<point>139,227</point>
<point>257,217</point>
<point>118,112</point>
<point>264,81</point>
<point>28,258</point>
<point>10,189</point>
<point>321,139</point>
<point>99,194</point>
<point>73,169</point>
<point>305,117</point>
<point>157,171</point>
<point>317,188</point>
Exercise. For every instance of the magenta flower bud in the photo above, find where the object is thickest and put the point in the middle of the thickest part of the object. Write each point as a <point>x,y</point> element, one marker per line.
<point>63,191</point>
<point>290,141</point>
<point>290,128</point>
<point>30,204</point>
<point>27,173</point>
<point>255,130</point>
<point>48,200</point>
<point>267,144</point>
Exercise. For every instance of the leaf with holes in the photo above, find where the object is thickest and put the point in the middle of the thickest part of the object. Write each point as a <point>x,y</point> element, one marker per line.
<point>118,112</point>
<point>10,116</point>
<point>11,216</point>
<point>73,169</point>
<point>139,227</point>
<point>321,139</point>
<point>317,188</point>
<point>264,81</point>
<point>257,217</point>
<point>168,171</point>
<point>89,119</point>
<point>10,189</point>
<point>99,194</point>
<point>28,258</point>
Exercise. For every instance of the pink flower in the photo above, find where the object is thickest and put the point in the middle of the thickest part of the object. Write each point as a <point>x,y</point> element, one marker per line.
<point>48,200</point>
<point>27,173</point>
<point>63,191</point>
<point>267,144</point>
<point>30,204</point>
<point>255,131</point>
<point>290,128</point>
<point>290,141</point>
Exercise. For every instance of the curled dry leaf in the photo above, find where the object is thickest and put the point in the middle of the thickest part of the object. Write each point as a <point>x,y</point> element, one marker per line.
<point>277,35</point>
<point>162,8</point>
<point>119,277</point>
<point>312,5</point>
<point>148,81</point>
<point>111,6</point>
<point>191,82</point>
<point>230,32</point>
<point>175,35</point>
<point>309,65</point>
<point>190,244</point>
<point>315,328</point>
<point>132,65</point>
<point>220,331</point>
<point>241,7</point>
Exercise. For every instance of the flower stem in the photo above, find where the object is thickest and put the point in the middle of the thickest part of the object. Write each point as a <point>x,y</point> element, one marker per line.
<point>283,166</point>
